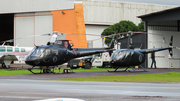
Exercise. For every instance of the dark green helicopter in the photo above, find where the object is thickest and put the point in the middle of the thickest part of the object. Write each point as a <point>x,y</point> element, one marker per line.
<point>59,52</point>
<point>130,57</point>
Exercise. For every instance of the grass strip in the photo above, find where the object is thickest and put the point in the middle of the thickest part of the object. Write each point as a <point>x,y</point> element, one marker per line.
<point>25,71</point>
<point>92,69</point>
<point>158,77</point>
<point>14,72</point>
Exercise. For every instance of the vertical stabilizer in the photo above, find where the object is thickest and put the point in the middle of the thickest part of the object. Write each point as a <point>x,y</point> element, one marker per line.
<point>170,45</point>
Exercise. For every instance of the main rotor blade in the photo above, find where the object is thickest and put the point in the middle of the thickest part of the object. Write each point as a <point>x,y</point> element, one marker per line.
<point>83,34</point>
<point>12,40</point>
<point>123,33</point>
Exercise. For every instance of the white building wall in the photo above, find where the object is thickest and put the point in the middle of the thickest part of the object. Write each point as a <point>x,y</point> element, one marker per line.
<point>28,26</point>
<point>111,12</point>
<point>96,30</point>
<point>17,6</point>
<point>159,38</point>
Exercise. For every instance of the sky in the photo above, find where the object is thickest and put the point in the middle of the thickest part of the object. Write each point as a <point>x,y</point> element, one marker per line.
<point>163,2</point>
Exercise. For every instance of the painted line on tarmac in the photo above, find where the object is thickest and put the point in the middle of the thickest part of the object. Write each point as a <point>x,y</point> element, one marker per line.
<point>61,99</point>
<point>48,99</point>
<point>22,97</point>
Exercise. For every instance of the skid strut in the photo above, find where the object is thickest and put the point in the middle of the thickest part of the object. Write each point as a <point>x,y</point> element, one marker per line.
<point>50,70</point>
<point>126,69</point>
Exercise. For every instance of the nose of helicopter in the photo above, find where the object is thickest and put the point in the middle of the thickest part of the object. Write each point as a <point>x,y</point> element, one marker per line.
<point>29,61</point>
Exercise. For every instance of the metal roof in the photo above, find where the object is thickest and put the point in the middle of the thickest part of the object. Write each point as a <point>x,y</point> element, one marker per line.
<point>169,14</point>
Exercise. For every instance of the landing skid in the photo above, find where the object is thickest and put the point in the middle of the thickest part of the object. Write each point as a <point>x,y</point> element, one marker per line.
<point>50,70</point>
<point>43,71</point>
<point>126,69</point>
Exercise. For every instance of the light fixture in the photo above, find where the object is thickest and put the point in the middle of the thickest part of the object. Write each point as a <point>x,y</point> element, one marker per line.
<point>63,13</point>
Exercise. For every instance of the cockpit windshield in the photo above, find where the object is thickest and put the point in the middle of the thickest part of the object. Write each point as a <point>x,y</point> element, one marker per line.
<point>37,51</point>
<point>32,51</point>
<point>118,54</point>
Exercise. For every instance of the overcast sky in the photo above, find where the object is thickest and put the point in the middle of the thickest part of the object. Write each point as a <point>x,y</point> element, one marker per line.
<point>164,2</point>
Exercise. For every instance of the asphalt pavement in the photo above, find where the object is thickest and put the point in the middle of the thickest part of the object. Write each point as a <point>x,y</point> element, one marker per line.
<point>84,74</point>
<point>30,90</point>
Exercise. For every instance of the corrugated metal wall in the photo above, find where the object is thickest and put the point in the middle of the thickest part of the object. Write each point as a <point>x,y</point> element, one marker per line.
<point>109,12</point>
<point>163,25</point>
<point>159,33</point>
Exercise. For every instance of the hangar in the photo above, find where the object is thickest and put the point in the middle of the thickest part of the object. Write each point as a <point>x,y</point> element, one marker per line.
<point>100,14</point>
<point>160,26</point>
<point>23,18</point>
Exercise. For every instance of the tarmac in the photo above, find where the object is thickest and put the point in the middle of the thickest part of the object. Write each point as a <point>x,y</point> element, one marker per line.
<point>78,74</point>
<point>30,88</point>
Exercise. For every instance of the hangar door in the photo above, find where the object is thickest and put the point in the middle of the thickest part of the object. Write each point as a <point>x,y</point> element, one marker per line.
<point>28,27</point>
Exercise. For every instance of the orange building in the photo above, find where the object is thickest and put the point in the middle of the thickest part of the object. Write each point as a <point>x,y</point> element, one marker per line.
<point>71,21</point>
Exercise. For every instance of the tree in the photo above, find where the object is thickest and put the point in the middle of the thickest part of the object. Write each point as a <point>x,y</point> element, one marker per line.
<point>141,26</point>
<point>122,26</point>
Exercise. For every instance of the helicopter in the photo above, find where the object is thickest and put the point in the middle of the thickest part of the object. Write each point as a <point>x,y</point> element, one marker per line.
<point>57,52</point>
<point>9,54</point>
<point>130,57</point>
